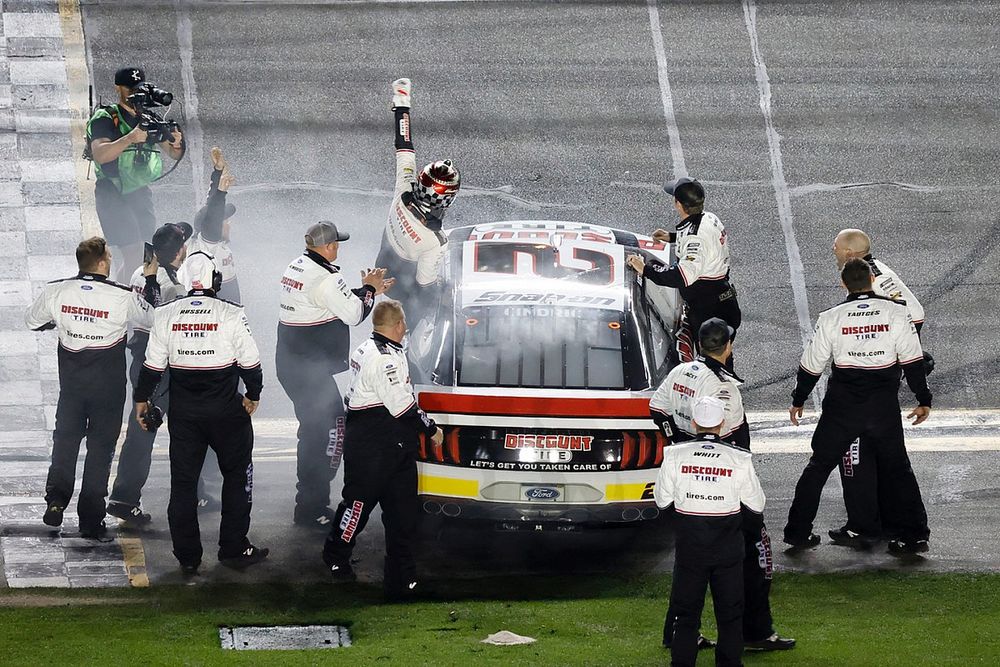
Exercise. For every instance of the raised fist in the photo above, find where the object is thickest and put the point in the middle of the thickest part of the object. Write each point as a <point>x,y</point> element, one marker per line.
<point>401,93</point>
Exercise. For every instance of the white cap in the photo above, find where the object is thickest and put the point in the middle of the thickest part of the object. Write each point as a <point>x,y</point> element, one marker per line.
<point>198,269</point>
<point>708,411</point>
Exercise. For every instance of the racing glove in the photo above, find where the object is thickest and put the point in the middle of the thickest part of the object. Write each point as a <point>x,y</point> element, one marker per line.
<point>401,93</point>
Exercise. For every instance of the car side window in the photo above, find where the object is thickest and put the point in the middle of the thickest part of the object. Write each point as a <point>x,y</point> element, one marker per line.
<point>660,336</point>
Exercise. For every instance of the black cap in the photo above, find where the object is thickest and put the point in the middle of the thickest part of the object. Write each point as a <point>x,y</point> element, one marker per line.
<point>168,240</point>
<point>714,334</point>
<point>324,232</point>
<point>686,190</point>
<point>129,76</point>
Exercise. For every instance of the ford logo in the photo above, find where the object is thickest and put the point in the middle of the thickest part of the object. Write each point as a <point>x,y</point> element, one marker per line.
<point>541,493</point>
<point>863,305</point>
<point>86,287</point>
<point>196,303</point>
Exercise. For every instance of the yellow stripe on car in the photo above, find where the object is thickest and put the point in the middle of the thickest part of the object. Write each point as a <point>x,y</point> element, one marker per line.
<point>625,491</point>
<point>447,486</point>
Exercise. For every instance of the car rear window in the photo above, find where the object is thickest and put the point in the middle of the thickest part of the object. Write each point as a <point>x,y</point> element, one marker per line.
<point>540,346</point>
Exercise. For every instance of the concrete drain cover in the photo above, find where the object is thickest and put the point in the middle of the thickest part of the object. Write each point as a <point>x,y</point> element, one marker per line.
<point>286,637</point>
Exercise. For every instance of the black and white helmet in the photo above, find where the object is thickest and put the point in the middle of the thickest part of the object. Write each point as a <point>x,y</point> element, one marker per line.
<point>436,185</point>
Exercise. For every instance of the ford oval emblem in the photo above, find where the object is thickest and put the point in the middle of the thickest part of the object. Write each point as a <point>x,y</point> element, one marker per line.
<point>541,493</point>
<point>196,303</point>
<point>86,287</point>
<point>862,306</point>
<point>694,367</point>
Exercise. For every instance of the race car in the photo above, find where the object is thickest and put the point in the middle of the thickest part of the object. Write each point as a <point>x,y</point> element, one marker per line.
<point>538,359</point>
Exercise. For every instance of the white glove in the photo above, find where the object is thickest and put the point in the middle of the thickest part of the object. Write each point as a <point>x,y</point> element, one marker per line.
<point>401,93</point>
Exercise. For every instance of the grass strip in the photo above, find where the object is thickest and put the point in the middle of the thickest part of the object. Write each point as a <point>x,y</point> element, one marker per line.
<point>880,618</point>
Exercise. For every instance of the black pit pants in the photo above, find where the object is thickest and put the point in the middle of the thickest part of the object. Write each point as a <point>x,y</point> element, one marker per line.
<point>687,596</point>
<point>758,623</point>
<point>876,420</point>
<point>319,410</point>
<point>859,478</point>
<point>137,451</point>
<point>94,412</point>
<point>384,474</point>
<point>231,437</point>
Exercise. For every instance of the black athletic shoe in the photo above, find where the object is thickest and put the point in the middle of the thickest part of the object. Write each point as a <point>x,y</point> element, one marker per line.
<point>249,556</point>
<point>190,569</point>
<point>848,538</point>
<point>53,515</point>
<point>98,532</point>
<point>342,573</point>
<point>901,548</point>
<point>773,643</point>
<point>703,643</point>
<point>800,545</point>
<point>321,521</point>
<point>404,592</point>
<point>130,514</point>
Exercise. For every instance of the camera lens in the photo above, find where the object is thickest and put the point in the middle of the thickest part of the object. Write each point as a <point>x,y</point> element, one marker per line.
<point>162,97</point>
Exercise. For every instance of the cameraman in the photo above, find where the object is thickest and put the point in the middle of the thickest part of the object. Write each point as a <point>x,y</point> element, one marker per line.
<point>125,166</point>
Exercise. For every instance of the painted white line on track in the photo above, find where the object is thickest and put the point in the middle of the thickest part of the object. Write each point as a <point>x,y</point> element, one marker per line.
<point>771,433</point>
<point>781,192</point>
<point>193,136</point>
<point>673,134</point>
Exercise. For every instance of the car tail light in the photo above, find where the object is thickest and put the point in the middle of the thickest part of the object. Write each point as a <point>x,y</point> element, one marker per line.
<point>645,449</point>
<point>451,441</point>
<point>641,449</point>
<point>628,449</point>
<point>661,442</point>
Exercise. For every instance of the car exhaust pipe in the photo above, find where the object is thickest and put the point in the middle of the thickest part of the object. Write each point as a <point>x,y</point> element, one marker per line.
<point>432,507</point>
<point>451,509</point>
<point>630,514</point>
<point>650,513</point>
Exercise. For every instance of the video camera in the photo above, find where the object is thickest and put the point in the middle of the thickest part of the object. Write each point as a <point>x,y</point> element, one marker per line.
<point>144,98</point>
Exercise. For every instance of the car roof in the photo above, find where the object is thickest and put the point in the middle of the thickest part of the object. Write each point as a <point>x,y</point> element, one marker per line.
<point>507,263</point>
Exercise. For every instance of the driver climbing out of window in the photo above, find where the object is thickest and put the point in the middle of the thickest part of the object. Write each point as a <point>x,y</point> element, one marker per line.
<point>701,271</point>
<point>413,243</point>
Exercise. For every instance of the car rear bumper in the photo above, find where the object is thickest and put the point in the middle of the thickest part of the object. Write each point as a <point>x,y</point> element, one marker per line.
<point>549,516</point>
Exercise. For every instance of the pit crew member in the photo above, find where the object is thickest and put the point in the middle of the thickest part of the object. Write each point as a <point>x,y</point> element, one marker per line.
<point>380,449</point>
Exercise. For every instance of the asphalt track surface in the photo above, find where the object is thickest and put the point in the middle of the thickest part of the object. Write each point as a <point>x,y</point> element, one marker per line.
<point>881,115</point>
<point>886,113</point>
<point>958,489</point>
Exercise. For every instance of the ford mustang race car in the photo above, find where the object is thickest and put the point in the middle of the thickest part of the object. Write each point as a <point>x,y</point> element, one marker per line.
<point>538,359</point>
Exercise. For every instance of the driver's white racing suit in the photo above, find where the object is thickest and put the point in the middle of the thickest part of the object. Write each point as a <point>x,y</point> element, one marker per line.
<point>413,244</point>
